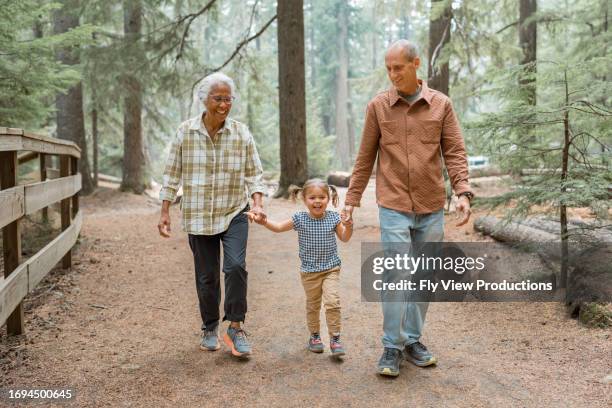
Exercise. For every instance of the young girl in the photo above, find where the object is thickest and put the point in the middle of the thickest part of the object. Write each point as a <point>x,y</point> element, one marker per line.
<point>317,229</point>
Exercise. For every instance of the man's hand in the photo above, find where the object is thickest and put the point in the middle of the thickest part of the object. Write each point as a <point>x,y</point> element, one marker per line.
<point>164,224</point>
<point>463,208</point>
<point>346,215</point>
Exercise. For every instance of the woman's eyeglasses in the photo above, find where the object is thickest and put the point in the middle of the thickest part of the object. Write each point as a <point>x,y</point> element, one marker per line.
<point>226,99</point>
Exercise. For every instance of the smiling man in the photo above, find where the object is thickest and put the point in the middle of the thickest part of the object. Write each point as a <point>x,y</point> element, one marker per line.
<point>414,132</point>
<point>216,160</point>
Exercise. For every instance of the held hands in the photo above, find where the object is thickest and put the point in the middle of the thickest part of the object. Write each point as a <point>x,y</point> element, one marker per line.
<point>258,215</point>
<point>346,215</point>
<point>346,219</point>
<point>463,211</point>
<point>345,231</point>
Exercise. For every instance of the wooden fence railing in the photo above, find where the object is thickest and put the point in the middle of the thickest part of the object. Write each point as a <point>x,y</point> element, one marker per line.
<point>17,201</point>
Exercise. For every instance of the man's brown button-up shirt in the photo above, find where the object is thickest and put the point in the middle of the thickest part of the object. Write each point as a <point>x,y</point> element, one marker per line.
<point>410,141</point>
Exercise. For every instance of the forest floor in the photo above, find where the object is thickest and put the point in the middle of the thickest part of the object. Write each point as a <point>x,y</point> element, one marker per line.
<point>122,329</point>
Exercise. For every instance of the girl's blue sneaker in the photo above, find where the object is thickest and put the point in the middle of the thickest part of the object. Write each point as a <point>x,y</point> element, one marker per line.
<point>315,344</point>
<point>336,346</point>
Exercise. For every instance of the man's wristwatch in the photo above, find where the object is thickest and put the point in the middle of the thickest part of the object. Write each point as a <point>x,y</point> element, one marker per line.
<point>467,194</point>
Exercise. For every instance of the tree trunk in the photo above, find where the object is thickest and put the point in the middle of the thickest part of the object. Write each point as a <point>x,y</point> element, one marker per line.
<point>592,232</point>
<point>511,232</point>
<point>339,178</point>
<point>38,29</point>
<point>256,22</point>
<point>312,46</point>
<point>326,121</point>
<point>292,97</point>
<point>528,43</point>
<point>405,24</point>
<point>439,36</point>
<point>250,115</point>
<point>342,132</point>
<point>133,143</point>
<point>94,134</point>
<point>70,117</point>
<point>602,100</point>
<point>563,207</point>
<point>351,125</point>
<point>374,60</point>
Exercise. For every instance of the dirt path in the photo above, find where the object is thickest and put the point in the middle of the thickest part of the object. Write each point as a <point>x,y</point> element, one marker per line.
<point>123,330</point>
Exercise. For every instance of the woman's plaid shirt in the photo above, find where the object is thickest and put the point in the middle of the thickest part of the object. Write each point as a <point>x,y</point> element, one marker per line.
<point>218,178</point>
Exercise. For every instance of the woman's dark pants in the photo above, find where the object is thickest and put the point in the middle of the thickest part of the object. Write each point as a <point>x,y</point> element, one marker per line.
<point>206,255</point>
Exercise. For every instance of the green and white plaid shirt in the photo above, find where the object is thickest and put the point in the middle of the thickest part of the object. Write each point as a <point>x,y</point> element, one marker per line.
<point>218,178</point>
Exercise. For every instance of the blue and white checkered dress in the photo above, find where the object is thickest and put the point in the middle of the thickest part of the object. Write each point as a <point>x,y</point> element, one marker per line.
<point>317,240</point>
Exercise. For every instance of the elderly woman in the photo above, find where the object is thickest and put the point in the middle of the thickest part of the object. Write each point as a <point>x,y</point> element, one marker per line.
<point>216,159</point>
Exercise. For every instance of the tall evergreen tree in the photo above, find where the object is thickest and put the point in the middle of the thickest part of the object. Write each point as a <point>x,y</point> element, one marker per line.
<point>439,37</point>
<point>571,127</point>
<point>528,41</point>
<point>133,142</point>
<point>30,74</point>
<point>344,150</point>
<point>69,104</point>
<point>292,96</point>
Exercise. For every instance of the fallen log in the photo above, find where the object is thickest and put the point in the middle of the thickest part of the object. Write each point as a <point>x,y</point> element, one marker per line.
<point>530,239</point>
<point>511,231</point>
<point>548,244</point>
<point>590,276</point>
<point>339,178</point>
<point>108,178</point>
<point>599,228</point>
<point>576,228</point>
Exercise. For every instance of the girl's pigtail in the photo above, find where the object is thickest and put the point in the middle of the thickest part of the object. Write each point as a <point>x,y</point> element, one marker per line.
<point>294,191</point>
<point>334,195</point>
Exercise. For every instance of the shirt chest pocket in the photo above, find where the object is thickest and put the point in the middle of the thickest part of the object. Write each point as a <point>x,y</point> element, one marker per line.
<point>430,131</point>
<point>389,132</point>
<point>231,160</point>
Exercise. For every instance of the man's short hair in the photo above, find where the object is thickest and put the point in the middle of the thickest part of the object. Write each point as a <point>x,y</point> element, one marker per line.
<point>411,51</point>
<point>212,80</point>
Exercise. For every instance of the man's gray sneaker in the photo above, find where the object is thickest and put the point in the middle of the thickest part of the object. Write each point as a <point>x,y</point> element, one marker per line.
<point>418,355</point>
<point>210,340</point>
<point>389,363</point>
<point>237,341</point>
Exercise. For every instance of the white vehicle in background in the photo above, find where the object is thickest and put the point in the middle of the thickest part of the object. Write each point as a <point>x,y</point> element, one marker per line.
<point>478,162</point>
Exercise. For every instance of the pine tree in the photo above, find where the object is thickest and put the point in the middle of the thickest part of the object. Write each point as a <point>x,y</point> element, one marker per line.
<point>292,97</point>
<point>439,36</point>
<point>69,104</point>
<point>569,158</point>
<point>30,75</point>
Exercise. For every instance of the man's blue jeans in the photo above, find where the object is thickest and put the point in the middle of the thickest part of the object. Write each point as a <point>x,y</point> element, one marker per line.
<point>403,321</point>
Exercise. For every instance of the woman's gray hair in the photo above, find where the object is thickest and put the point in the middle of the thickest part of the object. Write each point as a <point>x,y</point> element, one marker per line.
<point>212,80</point>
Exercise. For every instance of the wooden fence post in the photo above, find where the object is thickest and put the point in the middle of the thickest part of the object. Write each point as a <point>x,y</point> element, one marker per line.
<point>11,237</point>
<point>43,177</point>
<point>65,208</point>
<point>74,170</point>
